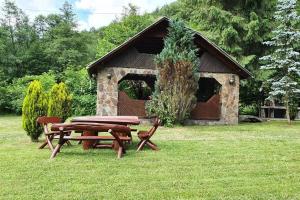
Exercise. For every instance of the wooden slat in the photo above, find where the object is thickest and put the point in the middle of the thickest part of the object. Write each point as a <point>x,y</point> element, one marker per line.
<point>94,138</point>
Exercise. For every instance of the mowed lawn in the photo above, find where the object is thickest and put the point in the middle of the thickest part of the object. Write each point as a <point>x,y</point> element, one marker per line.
<point>248,161</point>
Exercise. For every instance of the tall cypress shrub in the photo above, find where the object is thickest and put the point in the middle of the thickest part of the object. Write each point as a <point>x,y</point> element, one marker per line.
<point>60,101</point>
<point>34,105</point>
<point>174,96</point>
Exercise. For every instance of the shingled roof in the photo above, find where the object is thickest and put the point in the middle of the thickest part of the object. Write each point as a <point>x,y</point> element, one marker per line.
<point>202,41</point>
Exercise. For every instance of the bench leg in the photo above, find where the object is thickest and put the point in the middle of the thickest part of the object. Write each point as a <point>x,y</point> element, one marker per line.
<point>152,143</point>
<point>49,141</point>
<point>43,145</point>
<point>152,146</point>
<point>120,152</point>
<point>141,145</point>
<point>57,149</point>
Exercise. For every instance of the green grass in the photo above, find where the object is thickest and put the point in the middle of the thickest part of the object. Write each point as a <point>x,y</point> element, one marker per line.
<point>248,161</point>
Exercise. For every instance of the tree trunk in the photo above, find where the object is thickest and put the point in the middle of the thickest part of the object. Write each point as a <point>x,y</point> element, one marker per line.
<point>288,117</point>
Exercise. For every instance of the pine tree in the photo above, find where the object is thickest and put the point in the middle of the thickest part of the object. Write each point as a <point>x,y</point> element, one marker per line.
<point>60,101</point>
<point>283,62</point>
<point>34,105</point>
<point>177,83</point>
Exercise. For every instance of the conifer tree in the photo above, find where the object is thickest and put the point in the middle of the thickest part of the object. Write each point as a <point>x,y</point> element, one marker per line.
<point>60,101</point>
<point>177,82</point>
<point>283,61</point>
<point>34,105</point>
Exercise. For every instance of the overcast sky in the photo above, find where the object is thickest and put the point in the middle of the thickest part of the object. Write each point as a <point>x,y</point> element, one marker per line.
<point>90,13</point>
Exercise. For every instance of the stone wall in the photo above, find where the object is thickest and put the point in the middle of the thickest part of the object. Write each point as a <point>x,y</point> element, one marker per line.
<point>229,96</point>
<point>107,92</point>
<point>107,87</point>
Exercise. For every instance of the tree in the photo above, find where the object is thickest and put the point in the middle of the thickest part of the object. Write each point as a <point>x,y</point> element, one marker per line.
<point>177,82</point>
<point>16,38</point>
<point>283,61</point>
<point>34,105</point>
<point>60,101</point>
<point>84,91</point>
<point>120,30</point>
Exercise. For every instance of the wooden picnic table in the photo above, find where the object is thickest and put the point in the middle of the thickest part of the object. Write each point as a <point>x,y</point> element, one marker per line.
<point>114,130</point>
<point>120,120</point>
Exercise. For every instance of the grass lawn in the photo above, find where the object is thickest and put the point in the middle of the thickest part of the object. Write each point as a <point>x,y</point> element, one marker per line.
<point>248,161</point>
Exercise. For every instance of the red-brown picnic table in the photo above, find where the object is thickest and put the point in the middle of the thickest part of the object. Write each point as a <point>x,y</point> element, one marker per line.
<point>91,130</point>
<point>120,120</point>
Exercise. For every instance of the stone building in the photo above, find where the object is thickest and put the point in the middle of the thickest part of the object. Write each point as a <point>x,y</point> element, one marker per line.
<point>220,75</point>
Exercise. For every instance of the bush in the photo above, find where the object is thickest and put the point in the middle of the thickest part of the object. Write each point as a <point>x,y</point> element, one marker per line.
<point>83,90</point>
<point>248,110</point>
<point>160,105</point>
<point>34,105</point>
<point>60,101</point>
<point>177,81</point>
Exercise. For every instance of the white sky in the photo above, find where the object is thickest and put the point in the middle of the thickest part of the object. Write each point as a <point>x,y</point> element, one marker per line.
<point>87,11</point>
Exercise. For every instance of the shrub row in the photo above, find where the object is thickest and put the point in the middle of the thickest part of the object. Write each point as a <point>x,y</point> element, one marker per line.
<point>82,88</point>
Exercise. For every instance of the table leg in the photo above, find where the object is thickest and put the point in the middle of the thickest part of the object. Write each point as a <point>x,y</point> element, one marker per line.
<point>88,144</point>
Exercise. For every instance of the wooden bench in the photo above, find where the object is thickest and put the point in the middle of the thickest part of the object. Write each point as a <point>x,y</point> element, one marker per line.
<point>97,139</point>
<point>119,135</point>
<point>145,136</point>
<point>45,122</point>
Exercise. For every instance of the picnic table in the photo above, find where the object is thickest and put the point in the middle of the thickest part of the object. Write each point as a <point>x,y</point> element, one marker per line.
<point>120,120</point>
<point>114,130</point>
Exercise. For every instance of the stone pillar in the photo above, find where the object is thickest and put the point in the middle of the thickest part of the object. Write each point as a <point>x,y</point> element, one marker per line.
<point>229,96</point>
<point>107,93</point>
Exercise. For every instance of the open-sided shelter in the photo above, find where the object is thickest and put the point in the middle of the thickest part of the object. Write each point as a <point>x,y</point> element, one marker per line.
<point>220,75</point>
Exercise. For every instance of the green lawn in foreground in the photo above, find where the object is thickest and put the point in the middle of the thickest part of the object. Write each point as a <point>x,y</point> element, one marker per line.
<point>248,161</point>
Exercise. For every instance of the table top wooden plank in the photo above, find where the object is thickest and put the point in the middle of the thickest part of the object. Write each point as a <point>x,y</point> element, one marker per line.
<point>123,120</point>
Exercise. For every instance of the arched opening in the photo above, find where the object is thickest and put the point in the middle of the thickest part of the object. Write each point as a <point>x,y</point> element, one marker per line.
<point>208,100</point>
<point>133,92</point>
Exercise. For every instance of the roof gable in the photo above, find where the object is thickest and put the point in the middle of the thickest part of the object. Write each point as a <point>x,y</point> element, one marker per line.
<point>162,25</point>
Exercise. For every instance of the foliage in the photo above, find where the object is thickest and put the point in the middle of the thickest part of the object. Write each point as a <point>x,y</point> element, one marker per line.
<point>83,90</point>
<point>60,101</point>
<point>50,42</point>
<point>120,30</point>
<point>13,94</point>
<point>135,89</point>
<point>283,61</point>
<point>248,109</point>
<point>34,105</point>
<point>237,26</point>
<point>177,82</point>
